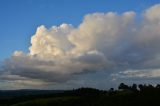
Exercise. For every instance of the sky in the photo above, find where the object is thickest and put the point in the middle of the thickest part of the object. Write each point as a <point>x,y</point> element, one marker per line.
<point>65,44</point>
<point>20,18</point>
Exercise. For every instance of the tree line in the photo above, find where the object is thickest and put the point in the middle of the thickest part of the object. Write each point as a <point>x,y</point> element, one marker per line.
<point>140,87</point>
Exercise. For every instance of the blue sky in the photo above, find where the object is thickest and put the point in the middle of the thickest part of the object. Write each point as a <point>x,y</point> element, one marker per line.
<point>20,18</point>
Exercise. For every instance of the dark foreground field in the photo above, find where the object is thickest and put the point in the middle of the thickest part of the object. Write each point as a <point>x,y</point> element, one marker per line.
<point>142,95</point>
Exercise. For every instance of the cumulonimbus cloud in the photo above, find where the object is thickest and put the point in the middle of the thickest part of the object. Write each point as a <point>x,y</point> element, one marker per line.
<point>103,41</point>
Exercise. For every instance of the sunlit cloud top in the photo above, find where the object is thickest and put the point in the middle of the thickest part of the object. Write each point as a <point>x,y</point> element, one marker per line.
<point>114,43</point>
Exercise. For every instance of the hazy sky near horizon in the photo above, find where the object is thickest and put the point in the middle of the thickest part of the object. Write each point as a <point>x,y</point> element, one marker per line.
<point>62,44</point>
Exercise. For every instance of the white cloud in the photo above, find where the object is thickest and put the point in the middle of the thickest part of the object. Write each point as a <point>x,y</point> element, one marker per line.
<point>152,13</point>
<point>149,73</point>
<point>103,41</point>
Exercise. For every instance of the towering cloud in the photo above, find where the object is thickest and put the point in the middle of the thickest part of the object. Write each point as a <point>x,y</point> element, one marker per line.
<point>103,41</point>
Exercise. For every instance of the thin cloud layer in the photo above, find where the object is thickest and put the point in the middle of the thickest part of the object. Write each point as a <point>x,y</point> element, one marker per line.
<point>103,41</point>
<point>150,73</point>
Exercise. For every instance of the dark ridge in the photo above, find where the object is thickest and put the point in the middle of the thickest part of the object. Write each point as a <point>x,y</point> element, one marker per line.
<point>125,95</point>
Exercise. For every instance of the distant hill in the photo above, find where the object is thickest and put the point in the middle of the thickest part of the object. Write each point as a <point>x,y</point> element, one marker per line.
<point>25,92</point>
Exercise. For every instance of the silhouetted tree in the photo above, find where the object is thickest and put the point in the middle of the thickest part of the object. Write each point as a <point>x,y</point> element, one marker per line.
<point>111,89</point>
<point>141,87</point>
<point>123,86</point>
<point>158,86</point>
<point>134,87</point>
